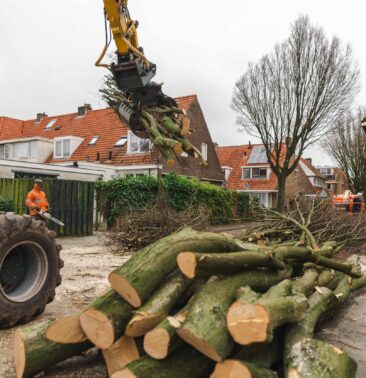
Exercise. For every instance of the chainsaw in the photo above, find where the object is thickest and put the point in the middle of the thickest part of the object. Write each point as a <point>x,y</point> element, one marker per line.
<point>49,217</point>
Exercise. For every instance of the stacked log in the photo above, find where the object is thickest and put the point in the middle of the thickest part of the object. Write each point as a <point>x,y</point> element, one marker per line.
<point>198,304</point>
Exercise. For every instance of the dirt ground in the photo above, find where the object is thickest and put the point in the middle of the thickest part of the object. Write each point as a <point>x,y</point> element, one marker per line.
<point>87,264</point>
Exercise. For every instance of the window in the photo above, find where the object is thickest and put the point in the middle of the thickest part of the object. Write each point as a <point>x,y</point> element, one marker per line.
<point>93,140</point>
<point>264,199</point>
<point>326,171</point>
<point>58,149</point>
<point>66,148</point>
<point>246,173</point>
<point>329,186</point>
<point>259,173</point>
<point>136,144</point>
<point>121,142</point>
<point>204,151</point>
<point>258,155</point>
<point>255,173</point>
<point>2,151</point>
<point>63,148</point>
<point>25,150</point>
<point>50,124</point>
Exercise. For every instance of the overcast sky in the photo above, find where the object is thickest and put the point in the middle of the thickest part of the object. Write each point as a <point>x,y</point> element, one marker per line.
<point>48,50</point>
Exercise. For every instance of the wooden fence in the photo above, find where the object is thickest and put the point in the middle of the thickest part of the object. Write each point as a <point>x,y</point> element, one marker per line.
<point>71,201</point>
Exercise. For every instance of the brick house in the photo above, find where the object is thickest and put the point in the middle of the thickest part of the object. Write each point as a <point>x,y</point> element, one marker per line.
<point>246,169</point>
<point>98,140</point>
<point>335,179</point>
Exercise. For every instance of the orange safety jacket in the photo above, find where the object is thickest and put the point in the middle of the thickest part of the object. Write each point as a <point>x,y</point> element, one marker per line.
<point>36,198</point>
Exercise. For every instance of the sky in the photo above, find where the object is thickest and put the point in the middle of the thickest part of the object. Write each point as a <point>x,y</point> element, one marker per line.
<point>48,50</point>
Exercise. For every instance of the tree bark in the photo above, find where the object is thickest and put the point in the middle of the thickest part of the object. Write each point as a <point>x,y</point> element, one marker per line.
<point>104,321</point>
<point>252,320</point>
<point>205,327</point>
<point>158,306</point>
<point>194,265</point>
<point>185,362</point>
<point>237,368</point>
<point>144,272</point>
<point>33,353</point>
<point>281,192</point>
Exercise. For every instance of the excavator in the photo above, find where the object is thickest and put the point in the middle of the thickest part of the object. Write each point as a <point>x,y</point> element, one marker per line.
<point>30,260</point>
<point>132,71</point>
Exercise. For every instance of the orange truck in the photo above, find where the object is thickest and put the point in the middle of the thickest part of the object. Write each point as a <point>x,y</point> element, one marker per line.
<point>351,203</point>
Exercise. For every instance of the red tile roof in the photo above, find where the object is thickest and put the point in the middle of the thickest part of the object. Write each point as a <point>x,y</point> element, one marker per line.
<point>104,123</point>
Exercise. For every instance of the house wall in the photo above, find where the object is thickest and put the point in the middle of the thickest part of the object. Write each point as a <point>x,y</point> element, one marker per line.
<point>189,166</point>
<point>297,183</point>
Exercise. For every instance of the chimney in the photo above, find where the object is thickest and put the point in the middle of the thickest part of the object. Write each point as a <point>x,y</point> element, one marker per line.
<point>40,116</point>
<point>83,109</point>
<point>249,145</point>
<point>309,160</point>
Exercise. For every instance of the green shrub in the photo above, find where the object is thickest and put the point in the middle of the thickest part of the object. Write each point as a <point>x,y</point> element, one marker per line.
<point>120,196</point>
<point>6,204</point>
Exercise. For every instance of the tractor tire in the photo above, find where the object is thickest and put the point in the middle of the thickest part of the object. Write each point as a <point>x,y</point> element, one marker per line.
<point>30,267</point>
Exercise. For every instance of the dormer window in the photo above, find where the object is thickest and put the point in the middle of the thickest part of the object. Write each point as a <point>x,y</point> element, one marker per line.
<point>93,140</point>
<point>66,146</point>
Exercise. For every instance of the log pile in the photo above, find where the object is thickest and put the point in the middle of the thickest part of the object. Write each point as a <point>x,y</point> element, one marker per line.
<point>197,304</point>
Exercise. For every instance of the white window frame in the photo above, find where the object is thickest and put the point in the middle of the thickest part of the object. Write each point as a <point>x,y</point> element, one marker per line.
<point>63,155</point>
<point>204,151</point>
<point>139,144</point>
<point>268,172</point>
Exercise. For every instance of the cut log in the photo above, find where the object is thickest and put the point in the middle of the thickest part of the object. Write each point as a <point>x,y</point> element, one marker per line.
<point>307,255</point>
<point>319,302</point>
<point>205,327</point>
<point>186,362</point>
<point>317,359</point>
<point>157,308</point>
<point>33,353</point>
<point>105,319</point>
<point>120,354</point>
<point>252,320</point>
<point>162,341</point>
<point>66,331</point>
<point>252,361</point>
<point>193,264</point>
<point>242,369</point>
<point>140,276</point>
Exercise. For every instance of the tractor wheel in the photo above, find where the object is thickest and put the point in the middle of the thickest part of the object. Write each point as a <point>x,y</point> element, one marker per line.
<point>29,268</point>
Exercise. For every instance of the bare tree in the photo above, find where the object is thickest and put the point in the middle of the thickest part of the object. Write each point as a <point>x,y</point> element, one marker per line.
<point>347,145</point>
<point>293,96</point>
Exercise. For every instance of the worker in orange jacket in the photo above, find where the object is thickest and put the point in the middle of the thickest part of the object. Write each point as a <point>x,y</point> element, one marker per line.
<point>37,200</point>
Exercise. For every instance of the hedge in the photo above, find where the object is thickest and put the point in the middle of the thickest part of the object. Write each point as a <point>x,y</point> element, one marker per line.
<point>6,204</point>
<point>120,196</point>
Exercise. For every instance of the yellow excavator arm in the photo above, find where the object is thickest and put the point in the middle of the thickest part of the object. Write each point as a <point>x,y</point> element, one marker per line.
<point>132,71</point>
